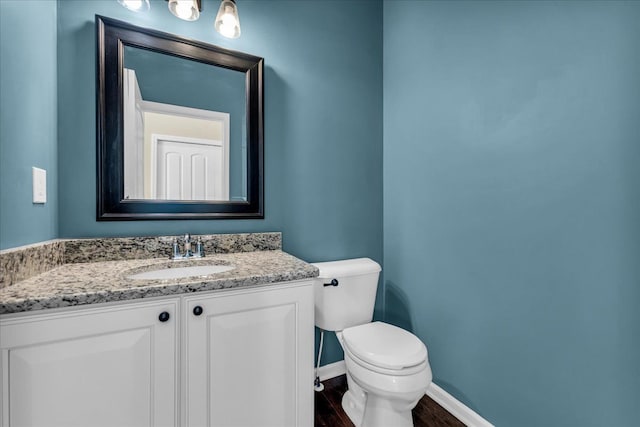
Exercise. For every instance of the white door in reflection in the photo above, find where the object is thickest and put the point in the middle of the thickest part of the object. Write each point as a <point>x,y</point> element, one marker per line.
<point>188,169</point>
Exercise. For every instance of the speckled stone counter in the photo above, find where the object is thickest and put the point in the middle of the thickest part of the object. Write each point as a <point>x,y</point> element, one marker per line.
<point>107,281</point>
<point>122,248</point>
<point>21,263</point>
<point>24,262</point>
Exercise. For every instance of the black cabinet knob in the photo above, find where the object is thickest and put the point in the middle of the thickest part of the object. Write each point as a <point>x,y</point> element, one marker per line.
<point>197,310</point>
<point>164,316</point>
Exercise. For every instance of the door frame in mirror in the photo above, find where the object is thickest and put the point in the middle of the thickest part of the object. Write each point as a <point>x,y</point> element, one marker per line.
<point>111,37</point>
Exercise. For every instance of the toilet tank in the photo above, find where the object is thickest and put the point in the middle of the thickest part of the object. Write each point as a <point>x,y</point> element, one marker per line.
<point>351,301</point>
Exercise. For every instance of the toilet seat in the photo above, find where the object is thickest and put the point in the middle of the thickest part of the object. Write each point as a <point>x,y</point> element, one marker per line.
<point>385,348</point>
<point>385,371</point>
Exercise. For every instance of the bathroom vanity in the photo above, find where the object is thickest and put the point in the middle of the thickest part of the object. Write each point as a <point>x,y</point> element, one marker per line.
<point>87,345</point>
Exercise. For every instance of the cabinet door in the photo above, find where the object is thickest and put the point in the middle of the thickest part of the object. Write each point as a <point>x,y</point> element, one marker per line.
<point>249,357</point>
<point>112,366</point>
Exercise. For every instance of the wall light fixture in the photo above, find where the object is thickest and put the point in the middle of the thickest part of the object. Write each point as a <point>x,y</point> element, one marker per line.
<point>227,20</point>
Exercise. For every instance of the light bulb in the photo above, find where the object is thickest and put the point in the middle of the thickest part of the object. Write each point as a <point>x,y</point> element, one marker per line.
<point>228,24</point>
<point>184,9</point>
<point>227,20</point>
<point>227,31</point>
<point>135,5</point>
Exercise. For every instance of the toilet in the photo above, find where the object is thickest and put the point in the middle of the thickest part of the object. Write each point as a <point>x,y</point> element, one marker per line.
<point>388,369</point>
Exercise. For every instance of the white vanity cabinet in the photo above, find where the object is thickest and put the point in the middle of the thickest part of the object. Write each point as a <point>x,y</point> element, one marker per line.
<point>110,366</point>
<point>244,357</point>
<point>248,357</point>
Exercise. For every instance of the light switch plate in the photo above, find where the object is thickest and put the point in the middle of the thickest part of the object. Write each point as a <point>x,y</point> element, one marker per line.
<point>39,185</point>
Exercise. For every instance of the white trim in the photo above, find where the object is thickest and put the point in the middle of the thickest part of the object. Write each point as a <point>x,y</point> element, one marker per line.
<point>179,110</point>
<point>456,408</point>
<point>332,370</point>
<point>133,136</point>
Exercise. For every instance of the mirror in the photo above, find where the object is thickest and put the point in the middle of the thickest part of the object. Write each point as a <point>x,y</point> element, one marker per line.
<point>184,123</point>
<point>180,127</point>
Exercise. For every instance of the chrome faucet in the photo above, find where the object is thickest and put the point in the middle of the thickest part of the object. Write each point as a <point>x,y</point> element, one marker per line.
<point>187,246</point>
<point>188,253</point>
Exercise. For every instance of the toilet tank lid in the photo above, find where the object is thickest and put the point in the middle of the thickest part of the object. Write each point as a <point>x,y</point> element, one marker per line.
<point>347,267</point>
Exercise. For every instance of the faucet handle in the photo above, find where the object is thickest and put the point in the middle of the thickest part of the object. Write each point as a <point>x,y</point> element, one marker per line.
<point>199,248</point>
<point>176,248</point>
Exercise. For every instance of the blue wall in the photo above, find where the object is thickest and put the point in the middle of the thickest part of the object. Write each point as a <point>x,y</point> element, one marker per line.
<point>323,123</point>
<point>28,120</point>
<point>512,203</point>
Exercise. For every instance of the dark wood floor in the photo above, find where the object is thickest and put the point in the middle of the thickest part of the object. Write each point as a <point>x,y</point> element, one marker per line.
<point>329,411</point>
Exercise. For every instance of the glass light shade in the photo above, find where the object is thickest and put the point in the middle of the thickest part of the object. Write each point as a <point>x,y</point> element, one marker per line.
<point>135,5</point>
<point>227,20</point>
<point>185,9</point>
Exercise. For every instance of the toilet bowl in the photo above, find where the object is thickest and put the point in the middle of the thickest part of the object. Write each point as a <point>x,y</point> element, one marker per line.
<point>387,367</point>
<point>388,374</point>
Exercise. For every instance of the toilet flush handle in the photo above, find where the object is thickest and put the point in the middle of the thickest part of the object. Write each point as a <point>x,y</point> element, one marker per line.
<point>334,282</point>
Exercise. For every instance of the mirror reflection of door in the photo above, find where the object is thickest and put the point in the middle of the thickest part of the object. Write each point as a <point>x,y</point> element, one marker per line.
<point>188,169</point>
<point>173,152</point>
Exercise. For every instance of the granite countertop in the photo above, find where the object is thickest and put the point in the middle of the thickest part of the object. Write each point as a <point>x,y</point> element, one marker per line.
<point>99,282</point>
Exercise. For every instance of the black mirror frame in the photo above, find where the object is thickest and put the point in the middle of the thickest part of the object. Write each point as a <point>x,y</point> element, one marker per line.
<point>111,37</point>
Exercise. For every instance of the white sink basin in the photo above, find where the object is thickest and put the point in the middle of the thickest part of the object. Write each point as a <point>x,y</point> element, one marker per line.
<point>181,272</point>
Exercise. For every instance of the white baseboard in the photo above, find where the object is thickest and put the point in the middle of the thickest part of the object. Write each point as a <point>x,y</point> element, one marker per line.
<point>332,370</point>
<point>458,409</point>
